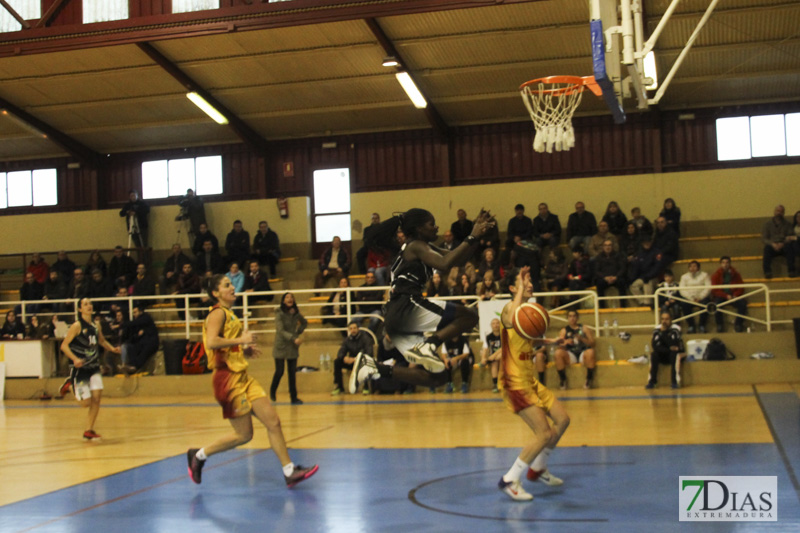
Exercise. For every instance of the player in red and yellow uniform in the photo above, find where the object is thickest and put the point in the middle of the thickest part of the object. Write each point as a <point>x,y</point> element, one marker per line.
<point>240,396</point>
<point>526,397</point>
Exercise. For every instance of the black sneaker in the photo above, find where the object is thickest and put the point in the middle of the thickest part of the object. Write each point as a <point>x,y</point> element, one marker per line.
<point>195,465</point>
<point>300,474</point>
<point>297,401</point>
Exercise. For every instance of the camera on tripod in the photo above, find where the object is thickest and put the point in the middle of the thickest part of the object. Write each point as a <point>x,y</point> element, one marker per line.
<point>184,214</point>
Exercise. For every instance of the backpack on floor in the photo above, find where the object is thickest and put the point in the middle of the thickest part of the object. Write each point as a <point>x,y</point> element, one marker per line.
<point>195,361</point>
<point>717,351</point>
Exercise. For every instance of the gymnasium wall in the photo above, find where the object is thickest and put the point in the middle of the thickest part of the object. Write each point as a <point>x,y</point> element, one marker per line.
<point>712,200</point>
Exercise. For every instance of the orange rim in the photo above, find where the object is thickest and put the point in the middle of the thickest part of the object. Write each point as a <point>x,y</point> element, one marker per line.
<point>574,84</point>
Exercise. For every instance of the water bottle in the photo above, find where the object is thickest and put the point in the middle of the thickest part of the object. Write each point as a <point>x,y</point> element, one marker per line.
<point>322,361</point>
<point>552,350</point>
<point>615,328</point>
<point>327,361</point>
<point>611,355</point>
<point>605,328</point>
<point>647,351</point>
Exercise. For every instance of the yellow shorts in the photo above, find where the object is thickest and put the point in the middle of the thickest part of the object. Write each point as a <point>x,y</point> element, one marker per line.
<point>235,392</point>
<point>537,395</point>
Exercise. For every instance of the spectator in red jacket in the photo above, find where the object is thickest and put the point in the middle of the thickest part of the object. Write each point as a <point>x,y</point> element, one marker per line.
<point>727,275</point>
<point>39,268</point>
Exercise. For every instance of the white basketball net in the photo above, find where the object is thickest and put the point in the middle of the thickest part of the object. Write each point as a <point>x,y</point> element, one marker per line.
<point>551,106</point>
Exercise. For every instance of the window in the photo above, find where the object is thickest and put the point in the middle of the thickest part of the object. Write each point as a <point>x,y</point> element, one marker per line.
<point>103,10</point>
<point>27,9</point>
<point>25,188</point>
<point>332,204</point>
<point>184,6</point>
<point>161,179</point>
<point>758,136</point>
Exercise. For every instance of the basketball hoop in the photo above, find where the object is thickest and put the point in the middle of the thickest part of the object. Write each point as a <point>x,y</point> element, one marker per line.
<point>551,103</point>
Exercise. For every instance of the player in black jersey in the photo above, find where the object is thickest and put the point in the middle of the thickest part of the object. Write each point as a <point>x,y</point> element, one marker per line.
<point>408,314</point>
<point>81,347</point>
<point>490,355</point>
<point>578,347</point>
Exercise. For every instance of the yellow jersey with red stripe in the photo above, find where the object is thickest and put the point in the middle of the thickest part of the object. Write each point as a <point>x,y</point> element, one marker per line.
<point>231,357</point>
<point>517,376</point>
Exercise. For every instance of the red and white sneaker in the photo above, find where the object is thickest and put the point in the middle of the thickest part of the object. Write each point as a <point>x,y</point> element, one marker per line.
<point>300,474</point>
<point>64,389</point>
<point>544,476</point>
<point>91,435</point>
<point>514,490</point>
<point>195,465</point>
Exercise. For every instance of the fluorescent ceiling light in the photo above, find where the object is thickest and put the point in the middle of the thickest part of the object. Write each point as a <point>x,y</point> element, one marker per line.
<point>390,61</point>
<point>650,71</point>
<point>207,108</point>
<point>411,90</point>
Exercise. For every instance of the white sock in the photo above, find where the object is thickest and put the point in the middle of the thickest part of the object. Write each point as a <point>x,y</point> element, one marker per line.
<point>201,454</point>
<point>540,463</point>
<point>516,471</point>
<point>288,469</point>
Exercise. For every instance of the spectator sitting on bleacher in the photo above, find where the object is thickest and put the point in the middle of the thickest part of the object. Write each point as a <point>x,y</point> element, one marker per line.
<point>463,287</point>
<point>142,284</point>
<point>603,234</point>
<point>173,267</point>
<point>31,290</point>
<point>64,266</point>
<point>518,226</point>
<point>727,275</point>
<point>188,283</point>
<point>776,236</point>
<point>209,260</point>
<point>369,231</point>
<point>448,241</point>
<point>237,244</point>
<point>139,340</point>
<point>39,268</point>
<point>609,271</point>
<point>96,261</point>
<point>54,289</point>
<point>630,241</point>
<point>115,328</point>
<point>665,240</point>
<point>355,341</point>
<point>555,274</point>
<point>267,247</point>
<point>334,263</point>
<point>203,234</point>
<point>666,300</point>
<point>236,276</point>
<point>372,309</point>
<point>461,227</point>
<point>13,328</point>
<point>121,268</point>
<point>643,226</point>
<point>257,281</point>
<point>79,286</point>
<point>437,286</point>
<point>379,262</point>
<point>337,310</point>
<point>456,353</point>
<point>488,263</point>
<point>487,288</point>
<point>579,271</point>
<point>581,226</point>
<point>546,228</point>
<point>695,286</point>
<point>100,287</point>
<point>793,241</point>
<point>672,213</point>
<point>616,218</point>
<point>643,271</point>
<point>40,331</point>
<point>668,349</point>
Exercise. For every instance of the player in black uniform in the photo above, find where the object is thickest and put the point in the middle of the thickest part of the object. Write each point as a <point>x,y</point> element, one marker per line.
<point>408,315</point>
<point>81,347</point>
<point>490,355</point>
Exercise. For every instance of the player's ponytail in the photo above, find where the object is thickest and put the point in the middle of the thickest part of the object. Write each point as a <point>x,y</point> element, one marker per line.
<point>385,235</point>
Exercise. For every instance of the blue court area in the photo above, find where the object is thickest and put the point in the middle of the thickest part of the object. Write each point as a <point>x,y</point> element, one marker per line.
<point>607,489</point>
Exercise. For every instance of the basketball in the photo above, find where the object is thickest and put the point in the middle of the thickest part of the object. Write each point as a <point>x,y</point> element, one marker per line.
<point>531,321</point>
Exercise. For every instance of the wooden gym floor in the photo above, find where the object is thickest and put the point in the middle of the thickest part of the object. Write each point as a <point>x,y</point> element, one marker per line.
<point>394,463</point>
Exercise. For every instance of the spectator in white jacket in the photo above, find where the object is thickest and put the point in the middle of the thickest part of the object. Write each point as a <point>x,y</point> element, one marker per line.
<point>695,286</point>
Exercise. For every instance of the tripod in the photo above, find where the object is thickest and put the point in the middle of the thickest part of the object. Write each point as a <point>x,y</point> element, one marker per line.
<point>182,224</point>
<point>133,229</point>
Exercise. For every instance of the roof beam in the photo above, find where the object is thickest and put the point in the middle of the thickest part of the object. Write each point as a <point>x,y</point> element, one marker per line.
<point>240,127</point>
<point>75,148</point>
<point>434,118</point>
<point>14,14</point>
<point>51,12</point>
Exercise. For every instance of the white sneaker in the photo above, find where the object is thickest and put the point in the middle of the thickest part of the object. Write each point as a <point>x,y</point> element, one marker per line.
<point>424,354</point>
<point>363,367</point>
<point>514,490</point>
<point>545,477</point>
<point>640,360</point>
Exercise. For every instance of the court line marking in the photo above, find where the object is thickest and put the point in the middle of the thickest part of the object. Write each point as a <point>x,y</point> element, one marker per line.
<point>157,485</point>
<point>412,496</point>
<point>781,449</point>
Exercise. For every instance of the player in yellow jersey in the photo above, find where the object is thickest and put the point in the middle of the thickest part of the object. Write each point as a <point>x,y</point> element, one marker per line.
<point>525,396</point>
<point>240,396</point>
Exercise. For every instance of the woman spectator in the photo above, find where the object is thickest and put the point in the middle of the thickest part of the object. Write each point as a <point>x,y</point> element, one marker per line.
<point>489,263</point>
<point>464,287</point>
<point>236,276</point>
<point>615,219</point>
<point>40,331</point>
<point>337,310</point>
<point>629,241</point>
<point>437,286</point>
<point>579,272</point>
<point>555,274</point>
<point>13,328</point>
<point>96,261</point>
<point>117,327</point>
<point>673,215</point>
<point>289,326</point>
<point>487,288</point>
